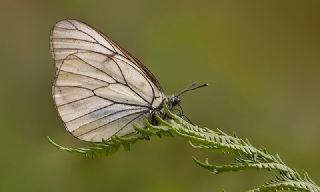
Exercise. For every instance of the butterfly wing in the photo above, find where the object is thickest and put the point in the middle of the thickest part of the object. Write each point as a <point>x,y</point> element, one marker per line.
<point>100,90</point>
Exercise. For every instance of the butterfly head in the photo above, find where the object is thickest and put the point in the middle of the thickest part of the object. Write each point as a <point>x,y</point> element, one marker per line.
<point>175,100</point>
<point>173,103</point>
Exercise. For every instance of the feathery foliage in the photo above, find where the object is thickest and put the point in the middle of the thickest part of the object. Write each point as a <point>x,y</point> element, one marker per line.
<point>246,155</point>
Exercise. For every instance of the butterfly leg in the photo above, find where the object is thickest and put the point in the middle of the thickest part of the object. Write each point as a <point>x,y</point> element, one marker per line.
<point>182,115</point>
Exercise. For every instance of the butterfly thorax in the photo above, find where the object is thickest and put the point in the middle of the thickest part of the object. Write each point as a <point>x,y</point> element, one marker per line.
<point>172,101</point>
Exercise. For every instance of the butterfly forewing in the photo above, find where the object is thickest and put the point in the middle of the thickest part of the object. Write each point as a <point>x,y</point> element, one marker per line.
<point>100,90</point>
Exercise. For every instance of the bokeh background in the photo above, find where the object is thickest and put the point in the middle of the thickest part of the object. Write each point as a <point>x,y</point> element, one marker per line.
<point>261,59</point>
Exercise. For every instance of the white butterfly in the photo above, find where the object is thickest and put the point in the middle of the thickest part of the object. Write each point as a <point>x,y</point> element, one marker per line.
<point>100,90</point>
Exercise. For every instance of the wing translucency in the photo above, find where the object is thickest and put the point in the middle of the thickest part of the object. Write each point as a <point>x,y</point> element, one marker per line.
<point>100,90</point>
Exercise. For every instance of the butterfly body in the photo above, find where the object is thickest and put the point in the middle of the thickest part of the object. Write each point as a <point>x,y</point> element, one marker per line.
<point>100,89</point>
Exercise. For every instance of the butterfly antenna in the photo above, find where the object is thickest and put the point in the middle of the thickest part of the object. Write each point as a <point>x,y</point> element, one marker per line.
<point>193,86</point>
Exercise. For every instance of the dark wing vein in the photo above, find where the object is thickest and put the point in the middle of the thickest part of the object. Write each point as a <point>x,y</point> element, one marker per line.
<point>75,101</point>
<point>131,104</point>
<point>79,49</point>
<point>90,36</point>
<point>111,122</point>
<point>75,39</point>
<point>90,113</point>
<point>144,75</point>
<point>129,122</point>
<point>86,76</point>
<point>114,113</point>
<point>127,81</point>
<point>98,69</point>
<point>74,86</point>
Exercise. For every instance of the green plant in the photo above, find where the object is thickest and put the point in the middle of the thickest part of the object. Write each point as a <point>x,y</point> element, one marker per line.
<point>246,155</point>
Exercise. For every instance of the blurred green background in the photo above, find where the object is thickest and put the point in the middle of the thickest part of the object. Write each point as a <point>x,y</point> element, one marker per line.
<point>261,59</point>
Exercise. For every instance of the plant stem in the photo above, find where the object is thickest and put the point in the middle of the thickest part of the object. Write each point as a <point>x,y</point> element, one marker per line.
<point>246,155</point>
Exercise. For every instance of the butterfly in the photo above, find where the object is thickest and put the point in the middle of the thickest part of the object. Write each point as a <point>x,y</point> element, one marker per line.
<point>100,90</point>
